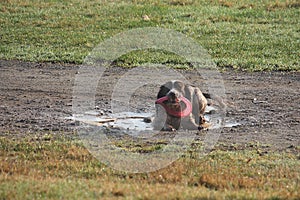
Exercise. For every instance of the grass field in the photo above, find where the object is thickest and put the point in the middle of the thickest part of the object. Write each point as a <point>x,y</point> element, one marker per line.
<point>47,168</point>
<point>252,35</point>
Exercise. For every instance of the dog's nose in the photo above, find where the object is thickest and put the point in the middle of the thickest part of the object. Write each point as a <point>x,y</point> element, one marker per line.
<point>173,96</point>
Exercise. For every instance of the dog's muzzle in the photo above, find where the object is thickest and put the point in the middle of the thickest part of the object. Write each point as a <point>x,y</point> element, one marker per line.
<point>182,113</point>
<point>173,97</point>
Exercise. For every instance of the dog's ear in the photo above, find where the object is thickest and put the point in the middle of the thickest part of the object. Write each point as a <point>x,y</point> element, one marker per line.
<point>188,92</point>
<point>180,87</point>
<point>163,91</point>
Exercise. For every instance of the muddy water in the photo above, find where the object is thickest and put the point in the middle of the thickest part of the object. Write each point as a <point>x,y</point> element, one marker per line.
<point>135,121</point>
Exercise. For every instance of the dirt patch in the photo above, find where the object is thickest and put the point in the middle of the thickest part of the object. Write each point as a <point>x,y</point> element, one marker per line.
<point>37,98</point>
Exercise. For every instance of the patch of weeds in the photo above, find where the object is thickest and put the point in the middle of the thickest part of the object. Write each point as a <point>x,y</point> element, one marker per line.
<point>140,57</point>
<point>140,146</point>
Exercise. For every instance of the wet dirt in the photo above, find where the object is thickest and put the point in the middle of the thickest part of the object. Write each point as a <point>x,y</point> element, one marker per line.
<point>36,98</point>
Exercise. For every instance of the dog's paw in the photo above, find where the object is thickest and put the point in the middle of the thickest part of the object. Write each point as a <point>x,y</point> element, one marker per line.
<point>203,126</point>
<point>169,128</point>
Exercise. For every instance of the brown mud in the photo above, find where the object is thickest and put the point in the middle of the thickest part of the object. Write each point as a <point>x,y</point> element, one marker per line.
<point>36,98</point>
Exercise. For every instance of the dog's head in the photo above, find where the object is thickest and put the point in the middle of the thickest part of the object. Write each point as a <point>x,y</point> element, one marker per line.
<point>174,90</point>
<point>172,97</point>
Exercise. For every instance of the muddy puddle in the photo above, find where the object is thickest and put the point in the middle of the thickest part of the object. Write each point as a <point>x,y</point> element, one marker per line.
<point>123,120</point>
<point>138,121</point>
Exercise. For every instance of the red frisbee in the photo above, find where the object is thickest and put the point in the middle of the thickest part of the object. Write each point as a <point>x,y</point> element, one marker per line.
<point>183,113</point>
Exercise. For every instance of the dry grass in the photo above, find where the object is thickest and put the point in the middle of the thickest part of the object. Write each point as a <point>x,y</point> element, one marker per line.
<point>64,169</point>
<point>283,5</point>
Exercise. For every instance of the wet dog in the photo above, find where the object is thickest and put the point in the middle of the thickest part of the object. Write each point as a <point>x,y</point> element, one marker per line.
<point>178,106</point>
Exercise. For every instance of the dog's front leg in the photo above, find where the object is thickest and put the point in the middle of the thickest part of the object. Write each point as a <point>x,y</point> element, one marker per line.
<point>160,119</point>
<point>172,123</point>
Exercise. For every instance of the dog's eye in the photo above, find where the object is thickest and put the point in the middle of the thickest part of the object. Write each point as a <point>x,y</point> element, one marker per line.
<point>168,86</point>
<point>178,85</point>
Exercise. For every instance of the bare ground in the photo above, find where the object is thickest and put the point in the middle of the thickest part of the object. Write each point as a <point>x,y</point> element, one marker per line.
<point>36,97</point>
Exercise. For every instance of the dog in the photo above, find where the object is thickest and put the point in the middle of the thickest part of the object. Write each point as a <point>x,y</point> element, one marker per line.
<point>179,105</point>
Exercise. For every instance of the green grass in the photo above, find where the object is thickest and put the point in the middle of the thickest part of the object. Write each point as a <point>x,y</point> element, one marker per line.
<point>60,168</point>
<point>251,35</point>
